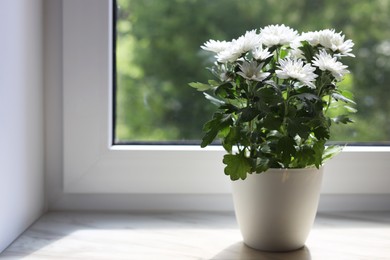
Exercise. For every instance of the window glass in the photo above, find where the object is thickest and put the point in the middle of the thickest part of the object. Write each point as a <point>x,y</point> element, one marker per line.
<point>158,53</point>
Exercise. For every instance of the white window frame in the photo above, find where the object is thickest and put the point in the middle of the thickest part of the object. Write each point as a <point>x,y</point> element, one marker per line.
<point>93,165</point>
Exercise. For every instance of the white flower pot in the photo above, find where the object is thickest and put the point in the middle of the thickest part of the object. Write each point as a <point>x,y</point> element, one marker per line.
<point>276,209</point>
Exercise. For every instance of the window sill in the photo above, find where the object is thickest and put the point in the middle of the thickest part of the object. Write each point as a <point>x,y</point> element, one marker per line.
<point>178,235</point>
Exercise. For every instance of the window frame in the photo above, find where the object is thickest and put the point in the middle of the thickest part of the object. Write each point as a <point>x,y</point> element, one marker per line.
<point>93,165</point>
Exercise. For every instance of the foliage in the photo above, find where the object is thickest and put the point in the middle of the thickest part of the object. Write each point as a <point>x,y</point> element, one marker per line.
<point>277,96</point>
<point>156,42</point>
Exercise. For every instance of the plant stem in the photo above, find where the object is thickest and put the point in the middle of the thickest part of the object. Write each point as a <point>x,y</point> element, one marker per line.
<point>286,102</point>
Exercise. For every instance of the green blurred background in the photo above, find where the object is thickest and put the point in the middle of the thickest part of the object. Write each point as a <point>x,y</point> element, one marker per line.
<point>158,53</point>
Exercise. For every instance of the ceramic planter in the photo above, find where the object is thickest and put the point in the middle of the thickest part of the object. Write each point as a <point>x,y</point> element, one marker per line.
<point>276,209</point>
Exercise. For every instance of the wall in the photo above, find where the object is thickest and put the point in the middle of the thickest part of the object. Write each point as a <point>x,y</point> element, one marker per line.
<point>21,117</point>
<point>53,101</point>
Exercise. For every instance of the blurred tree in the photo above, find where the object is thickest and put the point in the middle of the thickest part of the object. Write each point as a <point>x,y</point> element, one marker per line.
<point>158,53</point>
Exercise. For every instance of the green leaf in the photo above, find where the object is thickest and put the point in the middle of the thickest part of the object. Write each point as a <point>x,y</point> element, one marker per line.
<point>286,148</point>
<point>200,86</point>
<point>214,126</point>
<point>331,151</point>
<point>237,166</point>
<point>269,96</point>
<point>225,91</point>
<point>327,89</point>
<point>229,108</point>
<point>296,127</point>
<point>304,157</point>
<point>273,135</point>
<point>262,164</point>
<point>308,50</point>
<point>346,93</point>
<point>339,96</point>
<point>265,148</point>
<point>232,138</point>
<point>344,119</point>
<point>283,53</point>
<point>306,96</point>
<point>213,100</point>
<point>213,83</point>
<point>350,109</point>
<point>321,133</point>
<point>248,114</point>
<point>271,121</point>
<point>318,148</point>
<point>223,132</point>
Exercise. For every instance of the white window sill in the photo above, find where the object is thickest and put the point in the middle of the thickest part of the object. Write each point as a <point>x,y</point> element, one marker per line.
<point>178,235</point>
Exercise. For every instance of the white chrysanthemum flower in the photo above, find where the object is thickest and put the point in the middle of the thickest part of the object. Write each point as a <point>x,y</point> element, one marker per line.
<point>252,71</point>
<point>247,42</point>
<point>231,54</point>
<point>259,53</point>
<point>295,52</point>
<point>331,40</point>
<point>313,38</point>
<point>296,69</point>
<point>324,61</point>
<point>277,35</point>
<point>343,47</point>
<point>215,46</point>
<point>237,47</point>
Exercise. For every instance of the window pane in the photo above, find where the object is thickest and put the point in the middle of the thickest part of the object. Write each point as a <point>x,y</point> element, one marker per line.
<point>158,53</point>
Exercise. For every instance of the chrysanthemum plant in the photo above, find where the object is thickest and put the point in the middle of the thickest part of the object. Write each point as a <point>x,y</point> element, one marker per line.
<point>277,95</point>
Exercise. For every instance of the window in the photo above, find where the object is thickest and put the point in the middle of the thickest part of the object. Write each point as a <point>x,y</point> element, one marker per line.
<point>158,53</point>
<point>92,164</point>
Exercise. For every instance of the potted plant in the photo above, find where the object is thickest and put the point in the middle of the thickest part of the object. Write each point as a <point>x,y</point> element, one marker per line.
<point>277,94</point>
